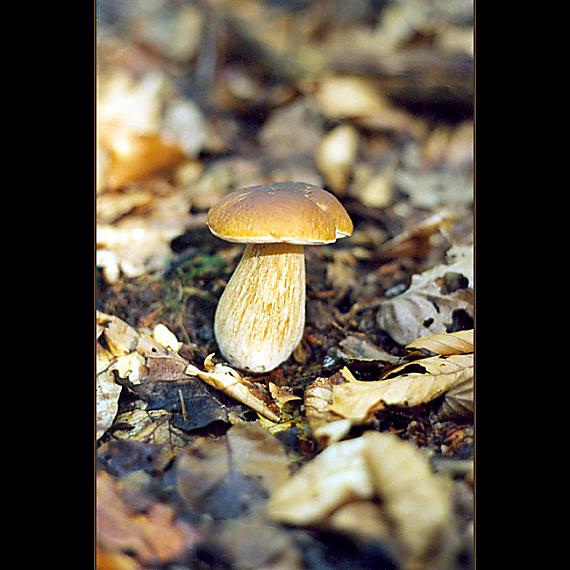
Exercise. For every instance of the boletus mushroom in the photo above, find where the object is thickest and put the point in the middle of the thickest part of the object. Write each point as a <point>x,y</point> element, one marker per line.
<point>261,314</point>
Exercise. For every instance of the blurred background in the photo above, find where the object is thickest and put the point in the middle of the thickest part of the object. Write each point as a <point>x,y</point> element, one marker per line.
<point>371,99</point>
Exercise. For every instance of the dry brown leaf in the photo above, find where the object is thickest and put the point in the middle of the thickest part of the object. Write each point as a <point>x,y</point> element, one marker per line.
<point>358,401</point>
<point>232,383</point>
<point>149,426</point>
<point>416,501</point>
<point>155,538</point>
<point>426,307</point>
<point>415,505</point>
<point>120,337</point>
<point>459,400</point>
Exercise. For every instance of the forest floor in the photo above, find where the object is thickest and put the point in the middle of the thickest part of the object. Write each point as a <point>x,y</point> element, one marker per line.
<point>356,452</point>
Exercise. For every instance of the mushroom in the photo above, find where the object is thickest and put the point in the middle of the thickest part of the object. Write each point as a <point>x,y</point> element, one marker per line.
<point>261,314</point>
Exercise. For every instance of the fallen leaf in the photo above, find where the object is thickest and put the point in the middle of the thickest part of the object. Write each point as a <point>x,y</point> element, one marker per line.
<point>155,538</point>
<point>358,401</point>
<point>446,344</point>
<point>325,425</point>
<point>417,502</point>
<point>150,426</point>
<point>166,337</point>
<point>355,348</point>
<point>120,337</point>
<point>415,507</point>
<point>230,475</point>
<point>333,478</point>
<point>107,401</point>
<point>232,383</point>
<point>426,307</point>
<point>416,241</point>
<point>282,395</point>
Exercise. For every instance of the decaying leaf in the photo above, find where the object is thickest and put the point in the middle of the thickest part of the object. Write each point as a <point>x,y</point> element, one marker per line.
<point>232,383</point>
<point>459,400</point>
<point>154,538</point>
<point>427,306</point>
<point>149,426</point>
<point>229,475</point>
<point>415,504</point>
<point>358,401</point>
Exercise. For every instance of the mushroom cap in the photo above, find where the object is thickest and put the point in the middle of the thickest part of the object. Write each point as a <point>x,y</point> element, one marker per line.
<point>280,212</point>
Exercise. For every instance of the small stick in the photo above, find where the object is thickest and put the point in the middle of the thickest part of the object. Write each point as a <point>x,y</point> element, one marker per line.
<point>183,405</point>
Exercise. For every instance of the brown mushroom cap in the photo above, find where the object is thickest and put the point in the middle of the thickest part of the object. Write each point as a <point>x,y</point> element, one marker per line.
<point>281,212</point>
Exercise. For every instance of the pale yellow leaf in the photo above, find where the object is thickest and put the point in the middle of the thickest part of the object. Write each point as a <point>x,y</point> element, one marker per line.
<point>445,344</point>
<point>358,400</point>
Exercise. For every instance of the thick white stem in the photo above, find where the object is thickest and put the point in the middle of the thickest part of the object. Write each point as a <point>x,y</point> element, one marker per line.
<point>261,314</point>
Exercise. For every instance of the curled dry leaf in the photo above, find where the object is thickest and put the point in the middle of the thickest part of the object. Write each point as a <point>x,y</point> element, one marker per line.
<point>326,426</point>
<point>335,477</point>
<point>427,306</point>
<point>415,507</point>
<point>358,401</point>
<point>417,502</point>
<point>166,337</point>
<point>282,395</point>
<point>232,383</point>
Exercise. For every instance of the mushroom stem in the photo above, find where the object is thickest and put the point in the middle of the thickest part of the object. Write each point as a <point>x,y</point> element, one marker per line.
<point>261,314</point>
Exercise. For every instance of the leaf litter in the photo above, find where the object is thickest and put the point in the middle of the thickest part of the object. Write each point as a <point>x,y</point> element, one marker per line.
<point>374,410</point>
